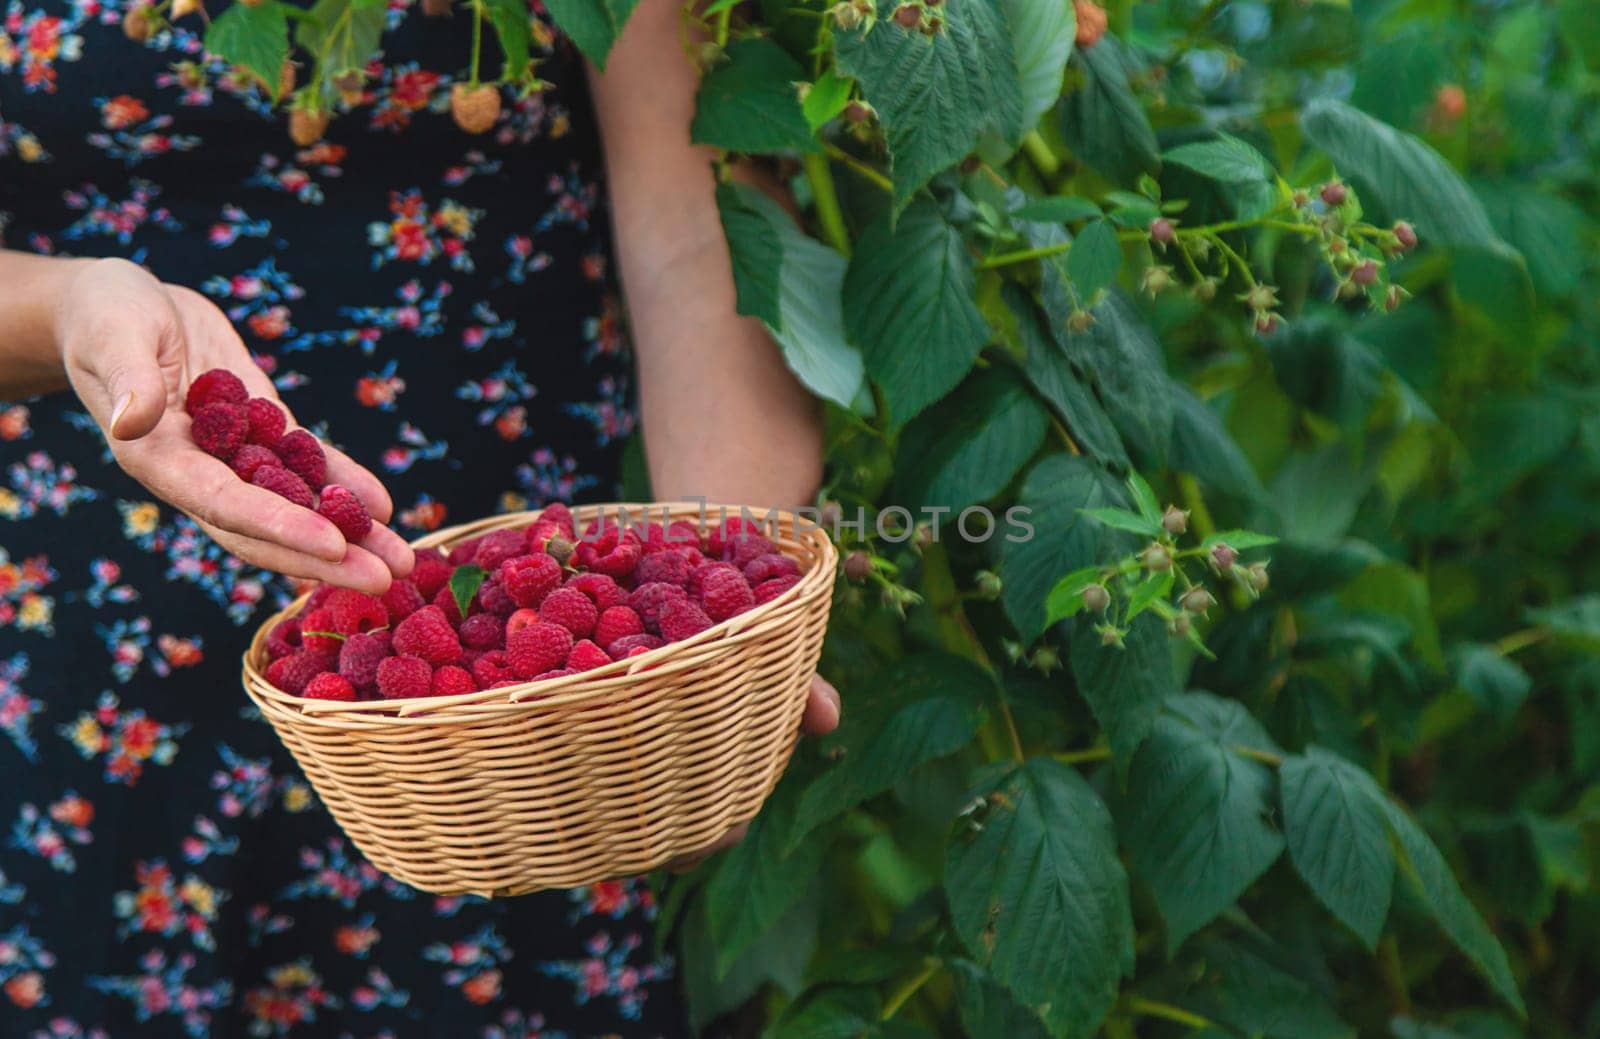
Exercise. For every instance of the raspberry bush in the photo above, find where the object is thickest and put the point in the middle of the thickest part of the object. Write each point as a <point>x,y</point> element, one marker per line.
<point>1275,315</point>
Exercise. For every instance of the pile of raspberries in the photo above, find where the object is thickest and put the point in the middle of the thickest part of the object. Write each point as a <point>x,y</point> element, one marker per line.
<point>549,604</point>
<point>248,433</point>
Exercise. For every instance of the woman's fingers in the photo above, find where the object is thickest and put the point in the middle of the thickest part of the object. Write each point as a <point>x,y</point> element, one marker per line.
<point>822,708</point>
<point>391,548</point>
<point>359,569</point>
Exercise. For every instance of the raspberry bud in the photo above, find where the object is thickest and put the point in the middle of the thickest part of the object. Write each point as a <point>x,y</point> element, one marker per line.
<point>1096,598</point>
<point>1205,290</point>
<point>1180,625</point>
<point>1156,279</point>
<point>1405,236</point>
<point>1334,194</point>
<point>1110,635</point>
<point>1393,298</point>
<point>1080,321</point>
<point>1161,231</point>
<point>933,25</point>
<point>845,16</point>
<point>1257,576</point>
<point>1302,198</point>
<point>1223,557</point>
<point>1197,600</point>
<point>1266,324</point>
<point>1045,660</point>
<point>857,565</point>
<point>1261,297</point>
<point>1155,558</point>
<point>925,535</point>
<point>987,584</point>
<point>908,16</point>
<point>829,515</point>
<point>1174,520</point>
<point>1365,273</point>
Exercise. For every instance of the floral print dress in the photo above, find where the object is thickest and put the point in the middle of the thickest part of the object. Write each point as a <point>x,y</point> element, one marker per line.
<point>441,306</point>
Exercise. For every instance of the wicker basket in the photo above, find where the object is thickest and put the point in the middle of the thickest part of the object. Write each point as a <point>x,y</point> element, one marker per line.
<point>605,774</point>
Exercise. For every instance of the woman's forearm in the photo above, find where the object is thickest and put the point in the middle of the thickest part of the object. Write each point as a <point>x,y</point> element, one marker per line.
<point>30,288</point>
<point>724,418</point>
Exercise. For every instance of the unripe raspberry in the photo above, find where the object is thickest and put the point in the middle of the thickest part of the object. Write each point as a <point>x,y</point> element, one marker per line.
<point>1175,520</point>
<point>475,108</point>
<point>1110,635</point>
<point>1393,298</point>
<point>1266,324</point>
<point>559,549</point>
<point>1155,558</point>
<point>140,23</point>
<point>1205,290</point>
<point>1045,659</point>
<point>1161,231</point>
<point>1366,273</point>
<point>829,515</point>
<point>908,16</point>
<point>1261,297</point>
<point>1180,625</point>
<point>925,536</point>
<point>1405,236</point>
<point>436,8</point>
<point>1080,321</point>
<point>1197,600</point>
<point>845,16</point>
<point>987,584</point>
<point>307,127</point>
<point>1096,598</point>
<point>1156,279</point>
<point>1223,557</point>
<point>857,565</point>
<point>1334,194</point>
<point>1257,576</point>
<point>184,8</point>
<point>1092,22</point>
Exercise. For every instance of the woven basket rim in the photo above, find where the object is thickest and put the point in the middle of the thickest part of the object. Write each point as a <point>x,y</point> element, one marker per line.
<point>572,690</point>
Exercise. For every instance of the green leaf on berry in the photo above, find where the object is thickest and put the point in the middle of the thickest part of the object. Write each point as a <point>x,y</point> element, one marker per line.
<point>255,38</point>
<point>826,99</point>
<point>748,103</point>
<point>464,584</point>
<point>1122,519</point>
<point>1146,593</point>
<point>514,30</point>
<point>1066,598</point>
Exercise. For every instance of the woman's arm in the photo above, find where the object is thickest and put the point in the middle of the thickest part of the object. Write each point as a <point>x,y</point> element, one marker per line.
<point>724,418</point>
<point>30,362</point>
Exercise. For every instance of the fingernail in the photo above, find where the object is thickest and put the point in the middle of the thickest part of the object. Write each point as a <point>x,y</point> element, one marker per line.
<point>120,408</point>
<point>832,697</point>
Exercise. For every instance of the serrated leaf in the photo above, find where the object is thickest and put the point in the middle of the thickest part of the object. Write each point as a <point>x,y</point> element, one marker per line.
<point>1152,588</point>
<point>512,27</point>
<point>1239,540</point>
<point>848,1013</point>
<point>1038,895</point>
<point>464,584</point>
<point>1103,122</point>
<point>347,32</point>
<point>826,99</point>
<point>966,449</point>
<point>593,25</point>
<point>1066,597</point>
<point>1195,820</point>
<point>1247,985</point>
<point>748,102</point>
<point>1056,492</point>
<point>1575,621</point>
<point>1042,37</point>
<point>1125,364</point>
<point>926,708</point>
<point>1057,209</point>
<point>1201,445</point>
<point>1122,519</point>
<point>988,1010</point>
<point>1226,159</point>
<point>935,95</point>
<point>777,958</point>
<point>1144,497</point>
<point>1048,369</point>
<point>256,38</point>
<point>908,303</point>
<point>1124,687</point>
<point>756,250</point>
<point>1095,259</point>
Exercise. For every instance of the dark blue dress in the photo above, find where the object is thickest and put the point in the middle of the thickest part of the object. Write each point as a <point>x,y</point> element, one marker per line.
<point>443,307</point>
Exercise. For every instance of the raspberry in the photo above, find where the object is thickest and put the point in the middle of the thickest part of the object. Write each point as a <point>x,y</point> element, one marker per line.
<point>218,386</point>
<point>539,535</point>
<point>605,592</point>
<point>745,549</point>
<point>560,672</point>
<point>629,645</point>
<point>450,680</point>
<point>284,638</point>
<point>402,600</point>
<point>319,596</point>
<point>344,510</point>
<point>219,429</point>
<point>571,609</point>
<point>482,631</point>
<point>355,611</point>
<point>697,578</point>
<point>647,601</point>
<point>557,512</point>
<point>293,672</point>
<point>537,648</point>
<point>403,677</point>
<point>431,574</point>
<point>427,634</point>
<point>528,579</point>
<point>718,537</point>
<point>469,657</point>
<point>770,589</point>
<point>463,553</point>
<point>445,599</point>
<point>492,668</point>
<point>520,619</point>
<point>267,421</point>
<point>681,619</point>
<point>725,593</point>
<point>319,633</point>
<point>601,536</point>
<point>616,623</point>
<point>249,458</point>
<point>302,455</point>
<point>360,657</point>
<point>329,686</point>
<point>475,108</point>
<point>284,484</point>
<point>668,567</point>
<point>620,561</point>
<point>498,546</point>
<point>492,598</point>
<point>586,656</point>
<point>764,568</point>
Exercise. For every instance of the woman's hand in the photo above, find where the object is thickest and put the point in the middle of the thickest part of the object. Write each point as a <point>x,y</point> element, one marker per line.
<point>130,345</point>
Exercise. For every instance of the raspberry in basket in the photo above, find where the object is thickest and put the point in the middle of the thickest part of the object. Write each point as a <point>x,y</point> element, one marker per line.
<point>666,567</point>
<point>492,598</point>
<point>284,638</point>
<point>302,455</point>
<point>496,547</point>
<point>493,668</point>
<point>293,672</point>
<point>698,576</point>
<point>746,548</point>
<point>537,648</point>
<point>682,619</point>
<point>402,600</point>
<point>329,686</point>
<point>725,593</point>
<point>769,590</point>
<point>616,623</point>
<point>570,609</point>
<point>518,620</point>
<point>344,510</point>
<point>483,631</point>
<point>648,599</point>
<point>528,579</point>
<point>217,386</point>
<point>450,680</point>
<point>445,599</point>
<point>620,561</point>
<point>764,568</point>
<point>427,634</point>
<point>632,645</point>
<point>360,656</point>
<point>355,611</point>
<point>604,591</point>
<point>586,656</point>
<point>220,429</point>
<point>403,677</point>
<point>431,574</point>
<point>557,513</point>
<point>318,631</point>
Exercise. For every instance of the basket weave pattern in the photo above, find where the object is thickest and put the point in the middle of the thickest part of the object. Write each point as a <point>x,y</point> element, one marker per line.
<point>604,774</point>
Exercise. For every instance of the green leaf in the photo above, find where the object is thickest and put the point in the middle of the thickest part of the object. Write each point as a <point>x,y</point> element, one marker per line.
<point>1144,498</point>
<point>1575,622</point>
<point>908,303</point>
<point>1125,365</point>
<point>1052,375</point>
<point>1095,259</point>
<point>777,958</point>
<point>848,1013</point>
<point>1122,519</point>
<point>748,102</point>
<point>926,707</point>
<point>987,1010</point>
<point>1042,36</point>
<point>966,449</point>
<point>1401,175</point>
<point>1038,896</point>
<point>593,25</point>
<point>1201,445</point>
<point>1147,592</point>
<point>1333,822</point>
<point>1196,817</point>
<point>1103,122</point>
<point>464,584</point>
<point>1058,209</point>
<point>826,99</point>
<point>1248,986</point>
<point>935,95</point>
<point>1239,540</point>
<point>1056,492</point>
<point>1226,159</point>
<point>758,879</point>
<point>1547,229</point>
<point>792,283</point>
<point>256,38</point>
<point>1125,687</point>
<point>1066,597</point>
<point>348,32</point>
<point>514,30</point>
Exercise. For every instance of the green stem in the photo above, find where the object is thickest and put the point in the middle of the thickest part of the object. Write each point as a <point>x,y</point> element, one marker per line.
<point>900,995</point>
<point>1083,757</point>
<point>1038,152</point>
<point>1066,437</point>
<point>1393,975</point>
<point>1266,757</point>
<point>867,172</point>
<point>295,14</point>
<point>827,201</point>
<point>477,37</point>
<point>1518,640</point>
<point>723,18</point>
<point>1167,1012</point>
<point>1011,730</point>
